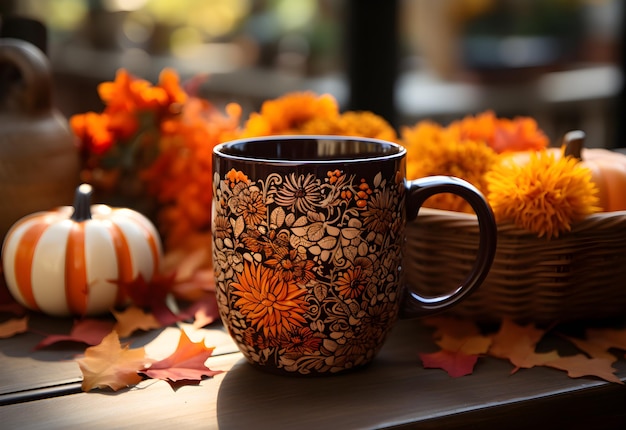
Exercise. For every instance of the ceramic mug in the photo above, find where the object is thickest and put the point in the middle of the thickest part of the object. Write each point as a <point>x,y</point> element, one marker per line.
<point>308,235</point>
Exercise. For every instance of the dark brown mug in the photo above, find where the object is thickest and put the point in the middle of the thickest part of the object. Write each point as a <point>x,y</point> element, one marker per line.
<point>308,237</point>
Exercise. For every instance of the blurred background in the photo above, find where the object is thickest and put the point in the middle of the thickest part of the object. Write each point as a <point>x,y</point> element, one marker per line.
<point>560,61</point>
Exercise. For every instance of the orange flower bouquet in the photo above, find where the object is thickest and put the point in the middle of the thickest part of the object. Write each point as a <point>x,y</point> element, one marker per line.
<point>155,141</point>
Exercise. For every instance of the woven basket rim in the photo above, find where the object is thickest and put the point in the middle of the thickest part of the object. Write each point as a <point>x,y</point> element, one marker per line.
<point>595,222</point>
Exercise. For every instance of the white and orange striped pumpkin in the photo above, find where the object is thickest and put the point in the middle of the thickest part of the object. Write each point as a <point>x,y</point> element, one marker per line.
<point>68,261</point>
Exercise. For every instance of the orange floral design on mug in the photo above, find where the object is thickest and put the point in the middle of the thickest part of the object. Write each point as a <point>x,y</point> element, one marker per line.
<point>307,266</point>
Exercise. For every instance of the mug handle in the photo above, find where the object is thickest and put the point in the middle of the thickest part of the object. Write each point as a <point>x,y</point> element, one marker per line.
<point>416,305</point>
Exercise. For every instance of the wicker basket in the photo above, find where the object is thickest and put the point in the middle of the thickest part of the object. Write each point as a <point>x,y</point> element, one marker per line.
<point>581,274</point>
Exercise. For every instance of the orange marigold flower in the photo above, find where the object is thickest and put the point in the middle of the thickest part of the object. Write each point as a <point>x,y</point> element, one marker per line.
<point>501,134</point>
<point>169,81</point>
<point>129,94</point>
<point>544,196</point>
<point>269,302</point>
<point>93,131</point>
<point>286,114</point>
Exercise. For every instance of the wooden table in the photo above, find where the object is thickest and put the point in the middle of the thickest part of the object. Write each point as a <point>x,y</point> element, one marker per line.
<point>40,389</point>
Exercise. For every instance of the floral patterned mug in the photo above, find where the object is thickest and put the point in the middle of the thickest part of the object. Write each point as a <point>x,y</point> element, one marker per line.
<point>308,235</point>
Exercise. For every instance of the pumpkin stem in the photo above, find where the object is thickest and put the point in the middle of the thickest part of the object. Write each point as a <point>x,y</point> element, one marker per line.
<point>574,141</point>
<point>82,203</point>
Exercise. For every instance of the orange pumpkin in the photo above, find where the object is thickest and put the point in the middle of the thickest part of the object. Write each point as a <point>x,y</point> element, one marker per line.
<point>608,168</point>
<point>68,261</point>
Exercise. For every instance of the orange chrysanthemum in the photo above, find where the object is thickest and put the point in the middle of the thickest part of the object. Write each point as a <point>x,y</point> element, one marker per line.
<point>352,123</point>
<point>544,196</point>
<point>269,302</point>
<point>432,151</point>
<point>285,115</point>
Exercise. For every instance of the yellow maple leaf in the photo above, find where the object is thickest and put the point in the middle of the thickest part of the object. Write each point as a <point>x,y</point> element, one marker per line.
<point>111,364</point>
<point>459,335</point>
<point>517,344</point>
<point>579,365</point>
<point>133,318</point>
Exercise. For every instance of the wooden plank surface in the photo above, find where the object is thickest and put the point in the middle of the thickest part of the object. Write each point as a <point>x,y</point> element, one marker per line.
<point>395,391</point>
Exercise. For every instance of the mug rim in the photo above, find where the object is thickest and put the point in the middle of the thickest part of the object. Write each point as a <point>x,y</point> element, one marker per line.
<point>218,150</point>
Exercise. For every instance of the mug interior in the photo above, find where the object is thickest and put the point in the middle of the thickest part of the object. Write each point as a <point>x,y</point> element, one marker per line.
<point>309,148</point>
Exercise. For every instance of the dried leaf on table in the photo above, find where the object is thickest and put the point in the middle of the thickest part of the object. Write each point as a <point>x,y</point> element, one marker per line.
<point>132,319</point>
<point>453,362</point>
<point>598,342</point>
<point>579,365</point>
<point>111,365</point>
<point>13,326</point>
<point>461,344</point>
<point>89,331</point>
<point>453,334</point>
<point>517,344</point>
<point>191,261</point>
<point>203,311</point>
<point>186,363</point>
<point>152,295</point>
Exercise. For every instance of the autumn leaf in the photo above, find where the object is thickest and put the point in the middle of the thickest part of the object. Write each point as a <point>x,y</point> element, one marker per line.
<point>186,363</point>
<point>459,335</point>
<point>455,363</point>
<point>461,344</point>
<point>517,344</point>
<point>111,365</point>
<point>88,331</point>
<point>152,295</point>
<point>132,319</point>
<point>599,341</point>
<point>192,288</point>
<point>191,261</point>
<point>13,326</point>
<point>203,311</point>
<point>579,365</point>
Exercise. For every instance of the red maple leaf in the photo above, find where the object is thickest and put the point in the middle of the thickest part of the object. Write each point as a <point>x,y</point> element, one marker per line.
<point>88,331</point>
<point>455,363</point>
<point>186,363</point>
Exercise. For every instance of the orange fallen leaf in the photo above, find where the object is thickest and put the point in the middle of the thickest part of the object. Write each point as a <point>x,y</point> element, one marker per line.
<point>517,344</point>
<point>132,319</point>
<point>186,363</point>
<point>111,365</point>
<point>579,365</point>
<point>461,344</point>
<point>13,326</point>
<point>456,364</point>
<point>458,335</point>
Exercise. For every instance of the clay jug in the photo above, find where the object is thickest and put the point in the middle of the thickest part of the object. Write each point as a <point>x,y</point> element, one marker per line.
<point>39,160</point>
